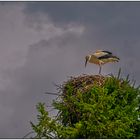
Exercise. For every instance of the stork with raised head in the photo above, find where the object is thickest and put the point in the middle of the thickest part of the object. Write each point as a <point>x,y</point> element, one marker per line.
<point>100,58</point>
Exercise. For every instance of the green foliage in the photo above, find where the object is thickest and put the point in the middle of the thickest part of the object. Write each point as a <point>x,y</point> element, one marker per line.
<point>108,111</point>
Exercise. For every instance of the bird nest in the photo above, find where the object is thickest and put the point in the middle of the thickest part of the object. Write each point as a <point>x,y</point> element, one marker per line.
<point>83,83</point>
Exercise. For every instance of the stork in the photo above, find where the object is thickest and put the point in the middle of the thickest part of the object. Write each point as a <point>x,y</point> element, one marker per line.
<point>101,57</point>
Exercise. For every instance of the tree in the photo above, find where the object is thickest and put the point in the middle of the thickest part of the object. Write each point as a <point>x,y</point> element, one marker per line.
<point>92,106</point>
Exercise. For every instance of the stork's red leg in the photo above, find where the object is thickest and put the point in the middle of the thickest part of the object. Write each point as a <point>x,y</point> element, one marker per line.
<point>100,69</point>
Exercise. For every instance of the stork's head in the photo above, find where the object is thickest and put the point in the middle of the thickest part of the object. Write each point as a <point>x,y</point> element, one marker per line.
<point>86,59</point>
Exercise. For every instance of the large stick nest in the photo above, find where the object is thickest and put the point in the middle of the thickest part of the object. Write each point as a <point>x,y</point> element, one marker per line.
<point>83,82</point>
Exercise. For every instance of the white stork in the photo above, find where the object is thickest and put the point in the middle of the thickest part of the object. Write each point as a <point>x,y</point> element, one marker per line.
<point>100,58</point>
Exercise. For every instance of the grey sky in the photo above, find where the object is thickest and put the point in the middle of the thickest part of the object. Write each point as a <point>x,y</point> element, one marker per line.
<point>46,42</point>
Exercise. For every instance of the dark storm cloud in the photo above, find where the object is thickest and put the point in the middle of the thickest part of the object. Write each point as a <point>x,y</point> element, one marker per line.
<point>90,12</point>
<point>114,19</point>
<point>113,24</point>
<point>45,42</point>
<point>74,11</point>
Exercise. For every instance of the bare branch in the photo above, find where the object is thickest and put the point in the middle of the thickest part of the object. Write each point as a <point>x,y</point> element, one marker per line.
<point>28,134</point>
<point>51,93</point>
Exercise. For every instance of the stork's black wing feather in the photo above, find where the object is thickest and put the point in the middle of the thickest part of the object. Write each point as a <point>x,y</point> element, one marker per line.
<point>105,56</point>
<point>108,56</point>
<point>107,52</point>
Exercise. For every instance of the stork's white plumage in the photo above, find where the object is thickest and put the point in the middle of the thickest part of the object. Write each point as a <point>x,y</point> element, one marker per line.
<point>100,58</point>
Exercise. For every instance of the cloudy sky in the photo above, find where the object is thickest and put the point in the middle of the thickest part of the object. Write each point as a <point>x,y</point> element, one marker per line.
<point>42,43</point>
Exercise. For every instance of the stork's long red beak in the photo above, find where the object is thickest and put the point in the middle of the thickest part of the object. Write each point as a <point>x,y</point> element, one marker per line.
<point>86,62</point>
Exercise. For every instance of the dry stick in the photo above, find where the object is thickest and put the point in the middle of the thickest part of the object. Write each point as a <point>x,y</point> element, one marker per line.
<point>51,109</point>
<point>133,83</point>
<point>49,106</point>
<point>51,93</point>
<point>28,134</point>
<point>58,86</point>
<point>58,95</point>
